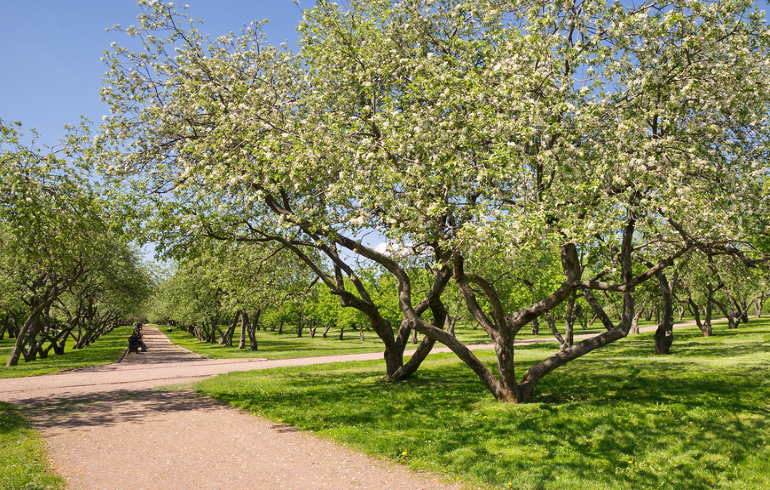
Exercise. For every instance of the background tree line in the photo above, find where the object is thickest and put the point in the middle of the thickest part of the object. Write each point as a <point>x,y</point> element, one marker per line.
<point>69,272</point>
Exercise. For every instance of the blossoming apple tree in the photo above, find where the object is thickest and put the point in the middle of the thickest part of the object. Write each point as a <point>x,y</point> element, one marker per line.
<point>619,139</point>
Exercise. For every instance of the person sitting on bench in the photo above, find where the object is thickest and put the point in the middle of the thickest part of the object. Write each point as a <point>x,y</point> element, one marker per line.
<point>135,341</point>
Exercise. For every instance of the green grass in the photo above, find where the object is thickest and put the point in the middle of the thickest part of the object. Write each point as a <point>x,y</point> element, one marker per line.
<point>23,464</point>
<point>620,418</point>
<point>288,345</point>
<point>105,350</point>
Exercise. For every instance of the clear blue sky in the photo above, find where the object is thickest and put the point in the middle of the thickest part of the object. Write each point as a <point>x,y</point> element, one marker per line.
<point>50,50</point>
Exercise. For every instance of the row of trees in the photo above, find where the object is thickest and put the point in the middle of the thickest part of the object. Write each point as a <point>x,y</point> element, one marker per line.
<point>67,271</point>
<point>233,285</point>
<point>533,159</point>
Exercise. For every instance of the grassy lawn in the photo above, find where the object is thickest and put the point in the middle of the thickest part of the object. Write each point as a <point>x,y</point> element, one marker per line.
<point>106,350</point>
<point>23,462</point>
<point>621,418</point>
<point>274,346</point>
<point>287,345</point>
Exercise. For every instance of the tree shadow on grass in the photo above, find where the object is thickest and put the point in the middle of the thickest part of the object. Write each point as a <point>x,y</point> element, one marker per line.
<point>617,422</point>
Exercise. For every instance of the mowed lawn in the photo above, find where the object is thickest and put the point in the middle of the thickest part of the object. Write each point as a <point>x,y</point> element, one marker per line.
<point>620,418</point>
<point>106,350</point>
<point>272,345</point>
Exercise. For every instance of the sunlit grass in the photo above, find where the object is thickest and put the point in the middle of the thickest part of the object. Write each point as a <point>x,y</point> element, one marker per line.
<point>107,349</point>
<point>23,463</point>
<point>620,418</point>
<point>272,345</point>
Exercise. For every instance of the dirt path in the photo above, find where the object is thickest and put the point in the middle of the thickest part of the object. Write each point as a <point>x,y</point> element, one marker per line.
<point>111,428</point>
<point>106,428</point>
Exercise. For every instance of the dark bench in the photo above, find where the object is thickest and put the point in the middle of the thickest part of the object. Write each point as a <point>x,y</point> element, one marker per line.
<point>134,344</point>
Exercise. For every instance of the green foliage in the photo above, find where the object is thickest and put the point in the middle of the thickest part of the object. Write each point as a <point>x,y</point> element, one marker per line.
<point>696,419</point>
<point>62,244</point>
<point>24,464</point>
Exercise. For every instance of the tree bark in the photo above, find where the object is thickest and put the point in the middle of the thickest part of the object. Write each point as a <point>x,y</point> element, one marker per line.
<point>252,329</point>
<point>635,321</point>
<point>535,326</point>
<point>244,322</point>
<point>664,335</point>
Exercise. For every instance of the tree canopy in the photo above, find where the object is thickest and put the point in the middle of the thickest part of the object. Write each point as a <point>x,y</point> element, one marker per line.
<point>612,139</point>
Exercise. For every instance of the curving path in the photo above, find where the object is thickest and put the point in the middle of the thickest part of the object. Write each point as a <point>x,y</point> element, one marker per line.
<point>107,428</point>
<point>110,427</point>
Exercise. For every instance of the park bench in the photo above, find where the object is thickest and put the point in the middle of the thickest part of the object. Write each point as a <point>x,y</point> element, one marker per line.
<point>134,344</point>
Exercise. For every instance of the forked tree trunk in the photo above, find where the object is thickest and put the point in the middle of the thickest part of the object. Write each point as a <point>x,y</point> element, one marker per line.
<point>695,309</point>
<point>227,337</point>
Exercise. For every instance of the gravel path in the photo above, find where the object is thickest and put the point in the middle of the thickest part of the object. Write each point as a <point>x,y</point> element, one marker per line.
<point>111,427</point>
<point>107,428</point>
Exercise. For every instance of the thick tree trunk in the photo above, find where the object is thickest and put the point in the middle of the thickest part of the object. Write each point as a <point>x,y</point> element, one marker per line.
<point>569,321</point>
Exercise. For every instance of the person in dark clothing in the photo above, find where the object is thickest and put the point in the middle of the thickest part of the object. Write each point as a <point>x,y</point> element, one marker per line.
<point>136,337</point>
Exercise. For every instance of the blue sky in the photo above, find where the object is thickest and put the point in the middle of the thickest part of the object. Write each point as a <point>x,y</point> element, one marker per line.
<point>50,50</point>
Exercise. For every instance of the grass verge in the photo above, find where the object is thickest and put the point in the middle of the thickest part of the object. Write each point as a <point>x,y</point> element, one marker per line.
<point>621,418</point>
<point>107,349</point>
<point>287,345</point>
<point>23,465</point>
